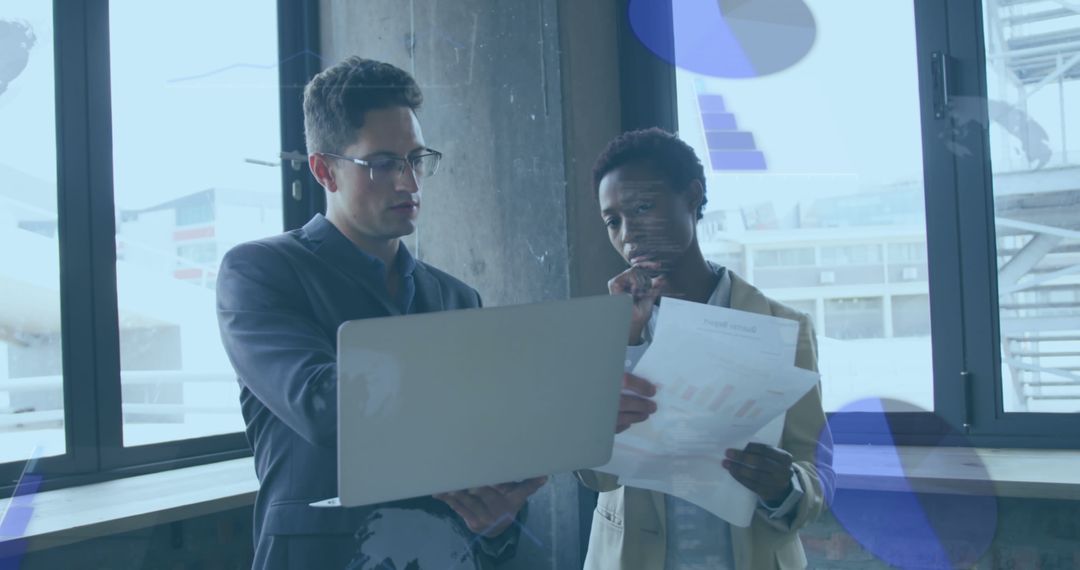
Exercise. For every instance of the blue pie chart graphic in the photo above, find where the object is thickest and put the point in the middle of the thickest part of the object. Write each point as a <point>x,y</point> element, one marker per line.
<point>725,38</point>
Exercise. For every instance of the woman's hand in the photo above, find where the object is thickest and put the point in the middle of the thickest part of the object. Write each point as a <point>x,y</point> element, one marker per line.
<point>764,469</point>
<point>635,403</point>
<point>645,287</point>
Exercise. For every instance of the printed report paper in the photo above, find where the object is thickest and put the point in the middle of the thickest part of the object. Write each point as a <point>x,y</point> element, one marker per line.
<point>724,378</point>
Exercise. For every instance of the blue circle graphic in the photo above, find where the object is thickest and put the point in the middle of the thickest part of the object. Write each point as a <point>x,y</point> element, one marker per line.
<point>725,38</point>
<point>904,522</point>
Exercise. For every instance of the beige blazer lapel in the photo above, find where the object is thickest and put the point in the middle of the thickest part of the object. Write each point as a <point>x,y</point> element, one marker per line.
<point>746,297</point>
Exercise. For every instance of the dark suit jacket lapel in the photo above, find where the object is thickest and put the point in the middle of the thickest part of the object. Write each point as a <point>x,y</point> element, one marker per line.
<point>335,250</point>
<point>429,296</point>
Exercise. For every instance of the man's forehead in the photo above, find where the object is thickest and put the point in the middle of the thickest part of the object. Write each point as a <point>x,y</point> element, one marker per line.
<point>371,146</point>
<point>394,130</point>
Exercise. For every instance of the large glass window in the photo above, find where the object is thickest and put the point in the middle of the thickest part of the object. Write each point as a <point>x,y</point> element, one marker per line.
<point>1033,89</point>
<point>31,375</point>
<point>911,315</point>
<point>900,253</point>
<point>194,124</point>
<point>816,172</point>
<point>784,257</point>
<point>851,255</point>
<point>114,221</point>
<point>854,318</point>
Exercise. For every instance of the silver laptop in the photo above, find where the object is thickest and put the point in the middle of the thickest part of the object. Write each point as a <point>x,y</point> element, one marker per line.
<point>440,402</point>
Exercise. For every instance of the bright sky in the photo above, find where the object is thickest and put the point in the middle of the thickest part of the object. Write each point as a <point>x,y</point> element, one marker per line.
<point>846,117</point>
<point>194,94</point>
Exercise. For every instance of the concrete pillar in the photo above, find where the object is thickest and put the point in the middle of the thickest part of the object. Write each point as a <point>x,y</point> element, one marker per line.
<point>520,97</point>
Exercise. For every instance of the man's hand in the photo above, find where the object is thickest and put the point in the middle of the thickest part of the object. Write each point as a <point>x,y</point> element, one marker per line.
<point>645,286</point>
<point>491,510</point>
<point>764,469</point>
<point>635,404</point>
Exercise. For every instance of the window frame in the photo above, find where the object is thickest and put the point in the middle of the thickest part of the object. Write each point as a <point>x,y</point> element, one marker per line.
<point>961,243</point>
<point>93,422</point>
<point>975,198</point>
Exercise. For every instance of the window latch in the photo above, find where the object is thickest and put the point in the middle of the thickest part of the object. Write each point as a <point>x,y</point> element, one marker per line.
<point>939,69</point>
<point>965,381</point>
<point>296,158</point>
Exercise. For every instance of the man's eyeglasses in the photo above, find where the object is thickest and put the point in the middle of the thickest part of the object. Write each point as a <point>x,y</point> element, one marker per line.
<point>389,168</point>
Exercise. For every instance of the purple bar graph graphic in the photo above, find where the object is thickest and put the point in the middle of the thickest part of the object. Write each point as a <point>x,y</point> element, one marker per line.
<point>730,140</point>
<point>718,122</point>
<point>712,103</point>
<point>729,148</point>
<point>737,159</point>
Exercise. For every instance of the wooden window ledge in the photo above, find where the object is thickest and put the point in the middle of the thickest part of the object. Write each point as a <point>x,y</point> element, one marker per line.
<point>70,515</point>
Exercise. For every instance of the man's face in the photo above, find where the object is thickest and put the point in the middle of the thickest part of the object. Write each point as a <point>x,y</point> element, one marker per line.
<point>647,220</point>
<point>386,209</point>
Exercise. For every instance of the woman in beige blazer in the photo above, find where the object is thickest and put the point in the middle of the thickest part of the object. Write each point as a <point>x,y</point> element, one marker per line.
<point>651,189</point>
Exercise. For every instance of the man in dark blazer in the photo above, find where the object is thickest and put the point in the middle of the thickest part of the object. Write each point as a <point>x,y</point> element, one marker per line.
<point>280,302</point>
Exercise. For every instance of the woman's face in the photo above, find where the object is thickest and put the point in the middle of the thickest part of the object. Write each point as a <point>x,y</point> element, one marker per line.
<point>647,220</point>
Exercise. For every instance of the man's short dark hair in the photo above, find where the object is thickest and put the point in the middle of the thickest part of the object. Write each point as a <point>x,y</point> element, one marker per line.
<point>669,155</point>
<point>336,100</point>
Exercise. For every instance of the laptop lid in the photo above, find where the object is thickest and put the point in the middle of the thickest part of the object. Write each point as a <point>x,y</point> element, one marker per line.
<point>439,402</point>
